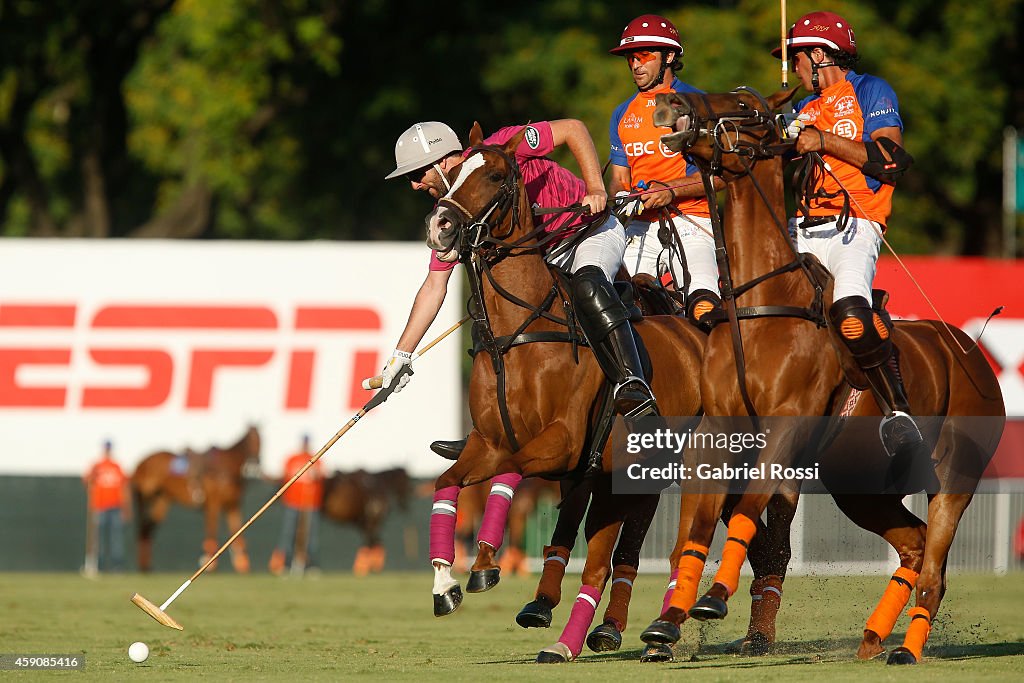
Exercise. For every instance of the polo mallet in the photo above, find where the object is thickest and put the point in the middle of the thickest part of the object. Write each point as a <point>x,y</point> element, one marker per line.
<point>378,381</point>
<point>785,51</point>
<point>159,613</point>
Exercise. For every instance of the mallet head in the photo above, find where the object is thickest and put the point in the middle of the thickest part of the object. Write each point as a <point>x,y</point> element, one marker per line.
<point>155,612</point>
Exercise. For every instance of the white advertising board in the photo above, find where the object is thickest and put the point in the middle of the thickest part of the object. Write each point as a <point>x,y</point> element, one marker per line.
<point>159,345</point>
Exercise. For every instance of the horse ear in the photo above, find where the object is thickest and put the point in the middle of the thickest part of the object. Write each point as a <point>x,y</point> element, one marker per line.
<point>778,99</point>
<point>513,142</point>
<point>476,134</point>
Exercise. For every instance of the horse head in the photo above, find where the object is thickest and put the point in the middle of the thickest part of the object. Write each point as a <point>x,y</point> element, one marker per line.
<point>486,204</point>
<point>250,447</point>
<point>726,131</point>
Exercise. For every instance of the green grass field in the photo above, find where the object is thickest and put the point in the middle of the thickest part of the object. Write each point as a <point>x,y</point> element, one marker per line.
<point>339,627</point>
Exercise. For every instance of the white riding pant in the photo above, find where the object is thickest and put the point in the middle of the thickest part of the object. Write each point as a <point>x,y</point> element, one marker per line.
<point>603,248</point>
<point>645,254</point>
<point>851,255</point>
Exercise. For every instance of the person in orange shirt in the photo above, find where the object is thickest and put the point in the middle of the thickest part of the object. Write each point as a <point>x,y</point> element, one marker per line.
<point>302,502</point>
<point>853,121</point>
<point>109,509</point>
<point>640,162</point>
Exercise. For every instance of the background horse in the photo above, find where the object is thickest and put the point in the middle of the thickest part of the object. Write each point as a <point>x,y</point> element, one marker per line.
<point>364,499</point>
<point>793,374</point>
<point>217,488</point>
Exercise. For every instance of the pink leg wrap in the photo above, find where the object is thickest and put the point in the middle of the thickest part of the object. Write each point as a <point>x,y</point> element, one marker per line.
<point>492,527</point>
<point>666,603</point>
<point>582,616</point>
<point>442,524</point>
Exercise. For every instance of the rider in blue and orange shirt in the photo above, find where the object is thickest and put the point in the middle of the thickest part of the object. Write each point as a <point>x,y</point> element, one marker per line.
<point>653,52</point>
<point>853,121</point>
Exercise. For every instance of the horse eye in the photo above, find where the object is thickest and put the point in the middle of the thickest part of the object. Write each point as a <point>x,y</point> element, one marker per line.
<point>496,177</point>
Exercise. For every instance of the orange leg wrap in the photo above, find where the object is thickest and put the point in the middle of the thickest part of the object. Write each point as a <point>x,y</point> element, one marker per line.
<point>361,565</point>
<point>917,634</point>
<point>556,558</point>
<point>741,530</point>
<point>622,589</point>
<point>895,598</point>
<point>691,566</point>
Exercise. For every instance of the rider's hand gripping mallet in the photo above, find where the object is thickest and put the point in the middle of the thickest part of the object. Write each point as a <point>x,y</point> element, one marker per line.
<point>378,381</point>
<point>159,613</point>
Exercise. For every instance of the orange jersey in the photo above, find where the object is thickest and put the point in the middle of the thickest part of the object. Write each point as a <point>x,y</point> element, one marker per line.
<point>106,485</point>
<point>853,108</point>
<point>308,491</point>
<point>636,143</point>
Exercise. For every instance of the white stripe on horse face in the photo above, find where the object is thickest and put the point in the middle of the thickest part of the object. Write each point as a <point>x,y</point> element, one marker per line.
<point>467,169</point>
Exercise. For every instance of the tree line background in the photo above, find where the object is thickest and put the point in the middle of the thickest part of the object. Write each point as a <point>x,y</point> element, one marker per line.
<point>276,119</point>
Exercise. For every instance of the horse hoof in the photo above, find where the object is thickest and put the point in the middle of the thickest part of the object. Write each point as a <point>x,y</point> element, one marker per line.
<point>447,602</point>
<point>483,580</point>
<point>661,633</point>
<point>604,638</point>
<point>736,647</point>
<point>558,653</point>
<point>656,652</point>
<point>536,614</point>
<point>709,607</point>
<point>758,645</point>
<point>902,655</point>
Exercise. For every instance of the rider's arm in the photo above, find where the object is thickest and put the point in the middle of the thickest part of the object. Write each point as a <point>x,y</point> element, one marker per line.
<point>574,135</point>
<point>621,179</point>
<point>851,151</point>
<point>424,309</point>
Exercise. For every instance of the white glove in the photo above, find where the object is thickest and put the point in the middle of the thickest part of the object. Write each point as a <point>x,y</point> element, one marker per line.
<point>627,208</point>
<point>795,125</point>
<point>394,366</point>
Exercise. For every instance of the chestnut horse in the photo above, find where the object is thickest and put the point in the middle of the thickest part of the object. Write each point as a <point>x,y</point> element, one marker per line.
<point>534,393</point>
<point>364,500</point>
<point>791,372</point>
<point>157,483</point>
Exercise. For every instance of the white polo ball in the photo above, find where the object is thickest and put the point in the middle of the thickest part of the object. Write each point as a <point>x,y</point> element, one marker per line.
<point>138,652</point>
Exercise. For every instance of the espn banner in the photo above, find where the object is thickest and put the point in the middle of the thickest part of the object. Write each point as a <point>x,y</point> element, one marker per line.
<point>163,345</point>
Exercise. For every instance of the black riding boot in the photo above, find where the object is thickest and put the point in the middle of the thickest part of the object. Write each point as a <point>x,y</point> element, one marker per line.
<point>869,338</point>
<point>605,323</point>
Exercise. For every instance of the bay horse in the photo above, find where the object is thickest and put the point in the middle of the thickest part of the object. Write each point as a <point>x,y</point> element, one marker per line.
<point>791,372</point>
<point>158,482</point>
<point>534,393</point>
<point>364,499</point>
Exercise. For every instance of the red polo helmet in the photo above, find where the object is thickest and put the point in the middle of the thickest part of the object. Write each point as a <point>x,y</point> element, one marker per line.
<point>820,29</point>
<point>648,31</point>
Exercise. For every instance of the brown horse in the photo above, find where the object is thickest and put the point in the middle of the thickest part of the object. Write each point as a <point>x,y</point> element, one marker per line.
<point>790,372</point>
<point>532,402</point>
<point>364,499</point>
<point>216,488</point>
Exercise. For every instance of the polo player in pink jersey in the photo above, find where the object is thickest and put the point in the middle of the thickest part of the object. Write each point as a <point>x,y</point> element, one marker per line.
<point>429,154</point>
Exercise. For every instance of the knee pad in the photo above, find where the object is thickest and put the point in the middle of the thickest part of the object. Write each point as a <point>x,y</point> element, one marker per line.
<point>699,303</point>
<point>596,303</point>
<point>862,330</point>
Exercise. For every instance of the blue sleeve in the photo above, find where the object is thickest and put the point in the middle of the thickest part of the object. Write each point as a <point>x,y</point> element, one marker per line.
<point>617,155</point>
<point>879,105</point>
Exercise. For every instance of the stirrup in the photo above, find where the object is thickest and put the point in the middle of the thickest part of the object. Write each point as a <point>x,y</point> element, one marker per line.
<point>633,398</point>
<point>899,433</point>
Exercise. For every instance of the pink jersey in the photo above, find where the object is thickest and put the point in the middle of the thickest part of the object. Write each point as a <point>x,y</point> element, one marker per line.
<point>547,183</point>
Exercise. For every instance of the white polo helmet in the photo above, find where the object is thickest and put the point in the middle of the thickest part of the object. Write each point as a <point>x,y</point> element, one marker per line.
<point>422,145</point>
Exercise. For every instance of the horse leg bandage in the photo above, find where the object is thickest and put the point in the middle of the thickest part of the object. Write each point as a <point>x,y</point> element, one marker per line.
<point>442,524</point>
<point>582,616</point>
<point>666,602</point>
<point>917,633</point>
<point>492,527</point>
<point>765,600</point>
<point>895,598</point>
<point>741,530</point>
<point>617,612</point>
<point>556,558</point>
<point>691,566</point>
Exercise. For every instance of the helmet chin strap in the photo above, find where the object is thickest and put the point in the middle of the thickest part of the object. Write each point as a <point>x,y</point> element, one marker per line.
<point>661,74</point>
<point>815,83</point>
